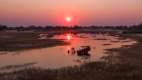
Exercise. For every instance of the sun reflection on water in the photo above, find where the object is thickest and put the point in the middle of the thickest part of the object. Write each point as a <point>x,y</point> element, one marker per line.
<point>68,37</point>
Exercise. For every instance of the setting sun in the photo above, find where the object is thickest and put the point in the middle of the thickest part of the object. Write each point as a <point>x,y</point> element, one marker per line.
<point>68,19</point>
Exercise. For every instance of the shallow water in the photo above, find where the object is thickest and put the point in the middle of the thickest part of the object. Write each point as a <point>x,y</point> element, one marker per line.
<point>57,57</point>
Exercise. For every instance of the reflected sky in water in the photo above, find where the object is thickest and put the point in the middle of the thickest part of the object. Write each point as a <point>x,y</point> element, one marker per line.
<point>57,57</point>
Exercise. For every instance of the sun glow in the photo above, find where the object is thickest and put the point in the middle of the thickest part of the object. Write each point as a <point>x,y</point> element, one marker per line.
<point>68,19</point>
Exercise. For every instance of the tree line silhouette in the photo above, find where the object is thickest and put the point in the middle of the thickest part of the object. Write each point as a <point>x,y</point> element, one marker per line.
<point>127,29</point>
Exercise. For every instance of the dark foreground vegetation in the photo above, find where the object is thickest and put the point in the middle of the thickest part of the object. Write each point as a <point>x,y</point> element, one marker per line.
<point>90,71</point>
<point>126,65</point>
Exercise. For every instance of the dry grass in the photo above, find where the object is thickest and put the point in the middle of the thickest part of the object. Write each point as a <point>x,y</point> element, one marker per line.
<point>21,41</point>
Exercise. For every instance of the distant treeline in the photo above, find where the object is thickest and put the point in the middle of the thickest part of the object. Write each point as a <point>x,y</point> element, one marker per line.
<point>126,29</point>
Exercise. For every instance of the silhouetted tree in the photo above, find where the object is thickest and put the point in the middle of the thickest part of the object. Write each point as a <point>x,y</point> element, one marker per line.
<point>3,27</point>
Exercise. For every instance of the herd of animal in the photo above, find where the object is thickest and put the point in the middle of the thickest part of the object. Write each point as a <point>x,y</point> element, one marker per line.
<point>82,51</point>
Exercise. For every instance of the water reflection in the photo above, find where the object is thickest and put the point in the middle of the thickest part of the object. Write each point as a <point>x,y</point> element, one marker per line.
<point>68,55</point>
<point>68,37</point>
<point>83,59</point>
<point>83,54</point>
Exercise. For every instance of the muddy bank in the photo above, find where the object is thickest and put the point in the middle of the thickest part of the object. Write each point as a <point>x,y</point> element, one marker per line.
<point>23,41</point>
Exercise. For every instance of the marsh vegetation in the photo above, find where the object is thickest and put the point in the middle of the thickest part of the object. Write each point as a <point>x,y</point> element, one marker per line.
<point>118,59</point>
<point>14,41</point>
<point>123,63</point>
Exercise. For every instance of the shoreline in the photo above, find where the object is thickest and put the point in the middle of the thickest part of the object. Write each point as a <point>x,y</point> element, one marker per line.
<point>26,41</point>
<point>129,67</point>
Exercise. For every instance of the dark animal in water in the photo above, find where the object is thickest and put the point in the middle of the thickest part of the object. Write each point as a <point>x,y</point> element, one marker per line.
<point>72,51</point>
<point>84,50</point>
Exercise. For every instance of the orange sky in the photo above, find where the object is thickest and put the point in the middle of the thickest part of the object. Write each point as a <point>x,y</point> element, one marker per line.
<point>83,12</point>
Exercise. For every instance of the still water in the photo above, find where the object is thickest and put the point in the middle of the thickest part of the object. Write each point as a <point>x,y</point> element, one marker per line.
<point>57,57</point>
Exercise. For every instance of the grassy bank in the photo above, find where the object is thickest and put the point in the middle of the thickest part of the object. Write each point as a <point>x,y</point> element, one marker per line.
<point>128,67</point>
<point>14,41</point>
<point>90,71</point>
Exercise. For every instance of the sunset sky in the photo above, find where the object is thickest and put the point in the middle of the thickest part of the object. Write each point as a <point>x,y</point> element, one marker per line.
<point>81,12</point>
